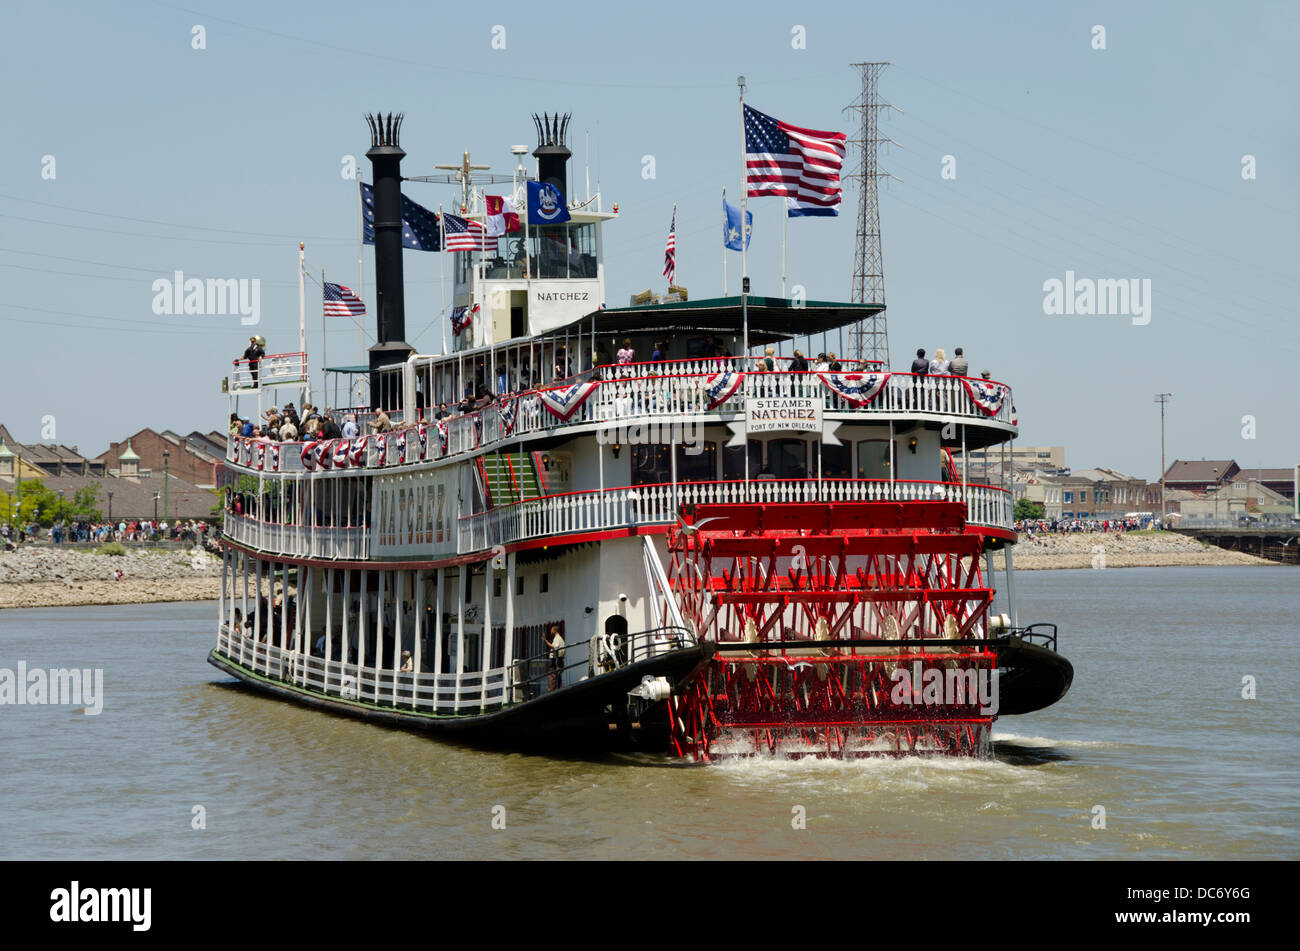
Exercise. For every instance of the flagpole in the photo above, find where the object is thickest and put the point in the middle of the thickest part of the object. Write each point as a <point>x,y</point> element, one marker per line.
<point>442,280</point>
<point>744,265</point>
<point>673,279</point>
<point>305,396</point>
<point>361,274</point>
<point>724,242</point>
<point>784,216</point>
<point>324,381</point>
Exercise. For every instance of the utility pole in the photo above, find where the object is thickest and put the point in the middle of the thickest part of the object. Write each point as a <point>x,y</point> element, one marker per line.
<point>1162,399</point>
<point>870,335</point>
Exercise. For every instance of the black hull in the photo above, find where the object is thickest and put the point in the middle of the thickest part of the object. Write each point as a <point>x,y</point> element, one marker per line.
<point>588,716</point>
<point>1032,677</point>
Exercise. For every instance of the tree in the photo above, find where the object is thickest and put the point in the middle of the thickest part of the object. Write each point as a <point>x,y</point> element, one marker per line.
<point>83,507</point>
<point>37,504</point>
<point>1027,508</point>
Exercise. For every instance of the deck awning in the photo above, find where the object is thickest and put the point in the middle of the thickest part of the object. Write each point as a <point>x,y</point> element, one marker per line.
<point>771,319</point>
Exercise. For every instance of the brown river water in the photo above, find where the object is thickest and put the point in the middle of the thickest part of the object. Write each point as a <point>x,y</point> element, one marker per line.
<point>1154,731</point>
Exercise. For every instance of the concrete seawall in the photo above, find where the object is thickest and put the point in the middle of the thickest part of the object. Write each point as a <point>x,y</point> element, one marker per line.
<point>1120,550</point>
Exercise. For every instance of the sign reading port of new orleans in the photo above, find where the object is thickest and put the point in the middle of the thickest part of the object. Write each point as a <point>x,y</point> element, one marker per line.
<point>768,414</point>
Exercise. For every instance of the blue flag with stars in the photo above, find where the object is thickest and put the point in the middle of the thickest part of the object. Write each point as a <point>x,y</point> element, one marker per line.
<point>731,226</point>
<point>419,224</point>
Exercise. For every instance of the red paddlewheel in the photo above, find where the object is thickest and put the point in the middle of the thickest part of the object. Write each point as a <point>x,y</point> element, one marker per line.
<point>778,586</point>
<point>836,706</point>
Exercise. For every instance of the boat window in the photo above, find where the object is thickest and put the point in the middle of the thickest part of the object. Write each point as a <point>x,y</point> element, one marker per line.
<point>733,460</point>
<point>837,461</point>
<point>873,459</point>
<point>650,465</point>
<point>788,458</point>
<point>563,251</point>
<point>702,466</point>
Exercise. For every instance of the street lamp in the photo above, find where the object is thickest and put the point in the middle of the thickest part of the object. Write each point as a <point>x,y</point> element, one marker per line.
<point>1162,399</point>
<point>166,457</point>
<point>155,506</point>
<point>110,506</point>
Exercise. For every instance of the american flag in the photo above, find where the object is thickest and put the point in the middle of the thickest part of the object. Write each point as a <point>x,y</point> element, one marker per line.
<point>463,235</point>
<point>783,160</point>
<point>341,302</point>
<point>670,251</point>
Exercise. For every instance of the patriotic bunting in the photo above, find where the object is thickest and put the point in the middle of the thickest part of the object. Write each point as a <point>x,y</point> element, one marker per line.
<point>341,448</point>
<point>986,395</point>
<point>248,452</point>
<point>401,448</point>
<point>509,410</point>
<point>261,456</point>
<point>858,389</point>
<point>423,433</point>
<point>309,455</point>
<point>323,456</point>
<point>722,386</point>
<point>381,457</point>
<point>562,402</point>
<point>460,319</point>
<point>442,437</point>
<point>357,454</point>
<point>275,457</point>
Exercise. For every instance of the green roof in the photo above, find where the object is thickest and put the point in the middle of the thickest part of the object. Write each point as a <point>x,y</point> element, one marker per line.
<point>770,318</point>
<point>128,454</point>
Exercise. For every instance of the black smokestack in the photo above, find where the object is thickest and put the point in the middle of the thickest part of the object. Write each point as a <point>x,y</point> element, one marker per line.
<point>390,309</point>
<point>551,153</point>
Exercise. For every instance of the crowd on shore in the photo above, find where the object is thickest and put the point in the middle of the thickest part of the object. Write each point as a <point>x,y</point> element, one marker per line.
<point>191,531</point>
<point>1066,526</point>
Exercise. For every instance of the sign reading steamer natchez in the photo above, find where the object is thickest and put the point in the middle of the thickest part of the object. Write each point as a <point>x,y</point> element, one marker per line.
<point>770,414</point>
<point>416,517</point>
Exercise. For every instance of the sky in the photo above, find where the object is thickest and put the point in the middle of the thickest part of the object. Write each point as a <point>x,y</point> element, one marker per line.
<point>1022,151</point>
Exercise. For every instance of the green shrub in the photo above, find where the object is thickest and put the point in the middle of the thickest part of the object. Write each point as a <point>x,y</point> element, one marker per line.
<point>112,548</point>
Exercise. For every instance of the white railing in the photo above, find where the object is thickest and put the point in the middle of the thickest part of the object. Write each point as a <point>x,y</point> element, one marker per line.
<point>580,512</point>
<point>303,541</point>
<point>625,398</point>
<point>272,369</point>
<point>350,681</point>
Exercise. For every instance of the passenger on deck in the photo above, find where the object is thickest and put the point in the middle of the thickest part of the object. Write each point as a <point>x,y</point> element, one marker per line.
<point>253,355</point>
<point>958,365</point>
<point>554,642</point>
<point>798,363</point>
<point>382,423</point>
<point>350,426</point>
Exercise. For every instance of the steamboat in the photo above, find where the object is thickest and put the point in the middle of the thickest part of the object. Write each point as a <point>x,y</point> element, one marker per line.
<point>703,553</point>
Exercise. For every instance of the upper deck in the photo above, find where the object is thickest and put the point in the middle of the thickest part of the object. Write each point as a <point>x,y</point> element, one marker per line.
<point>613,397</point>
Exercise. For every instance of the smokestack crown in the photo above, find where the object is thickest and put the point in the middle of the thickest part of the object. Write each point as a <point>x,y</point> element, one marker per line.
<point>551,153</point>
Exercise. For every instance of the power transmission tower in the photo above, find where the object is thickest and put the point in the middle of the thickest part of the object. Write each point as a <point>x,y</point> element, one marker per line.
<point>870,336</point>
